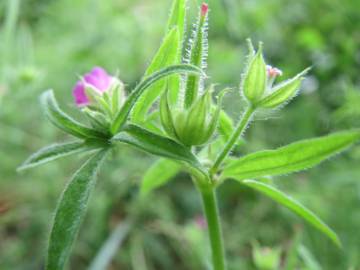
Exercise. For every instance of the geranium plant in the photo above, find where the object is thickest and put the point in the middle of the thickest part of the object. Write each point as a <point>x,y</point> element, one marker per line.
<point>186,128</point>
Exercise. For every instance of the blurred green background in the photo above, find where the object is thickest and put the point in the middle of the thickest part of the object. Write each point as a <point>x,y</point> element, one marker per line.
<point>47,44</point>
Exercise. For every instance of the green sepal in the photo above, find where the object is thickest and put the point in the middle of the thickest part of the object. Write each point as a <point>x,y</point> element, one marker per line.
<point>166,116</point>
<point>254,79</point>
<point>283,92</point>
<point>197,55</point>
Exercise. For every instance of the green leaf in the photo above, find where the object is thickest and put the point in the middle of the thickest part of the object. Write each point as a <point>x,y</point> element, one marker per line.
<point>156,145</point>
<point>70,212</point>
<point>166,56</point>
<point>63,121</point>
<point>294,206</point>
<point>177,17</point>
<point>291,158</point>
<point>226,126</point>
<point>53,152</point>
<point>158,175</point>
<point>123,114</point>
<point>283,92</point>
<point>110,247</point>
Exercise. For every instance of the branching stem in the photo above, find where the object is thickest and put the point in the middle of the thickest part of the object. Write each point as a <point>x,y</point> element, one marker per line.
<point>241,126</point>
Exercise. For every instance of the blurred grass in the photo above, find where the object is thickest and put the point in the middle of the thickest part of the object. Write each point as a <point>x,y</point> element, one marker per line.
<point>49,43</point>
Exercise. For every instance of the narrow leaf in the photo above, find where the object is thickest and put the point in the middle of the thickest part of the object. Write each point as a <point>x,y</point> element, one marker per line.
<point>226,126</point>
<point>156,145</point>
<point>294,206</point>
<point>177,17</point>
<point>63,121</point>
<point>53,152</point>
<point>158,175</point>
<point>166,56</point>
<point>70,212</point>
<point>291,158</point>
<point>111,246</point>
<point>123,114</point>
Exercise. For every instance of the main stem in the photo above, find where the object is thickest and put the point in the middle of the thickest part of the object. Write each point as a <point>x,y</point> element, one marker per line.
<point>214,228</point>
<point>233,139</point>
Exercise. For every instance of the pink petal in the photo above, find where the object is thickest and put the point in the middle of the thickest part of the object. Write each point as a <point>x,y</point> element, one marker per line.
<point>79,94</point>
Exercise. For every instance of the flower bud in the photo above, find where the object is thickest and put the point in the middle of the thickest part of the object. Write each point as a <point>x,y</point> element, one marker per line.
<point>255,78</point>
<point>282,92</point>
<point>193,126</point>
<point>100,96</point>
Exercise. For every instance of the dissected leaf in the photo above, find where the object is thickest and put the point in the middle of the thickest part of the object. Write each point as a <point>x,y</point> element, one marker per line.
<point>167,55</point>
<point>156,145</point>
<point>65,122</point>
<point>291,158</point>
<point>123,114</point>
<point>70,212</point>
<point>294,206</point>
<point>158,175</point>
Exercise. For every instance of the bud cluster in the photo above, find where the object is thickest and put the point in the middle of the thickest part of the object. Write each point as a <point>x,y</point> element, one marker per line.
<point>100,96</point>
<point>258,82</point>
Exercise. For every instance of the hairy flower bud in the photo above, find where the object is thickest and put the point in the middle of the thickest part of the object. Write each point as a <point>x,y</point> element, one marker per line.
<point>255,77</point>
<point>193,126</point>
<point>97,79</point>
<point>100,96</point>
<point>282,92</point>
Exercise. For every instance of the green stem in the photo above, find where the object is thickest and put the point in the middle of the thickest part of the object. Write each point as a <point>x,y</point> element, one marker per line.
<point>233,139</point>
<point>214,228</point>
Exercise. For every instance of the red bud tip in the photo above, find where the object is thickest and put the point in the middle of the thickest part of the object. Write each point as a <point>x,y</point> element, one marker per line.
<point>204,9</point>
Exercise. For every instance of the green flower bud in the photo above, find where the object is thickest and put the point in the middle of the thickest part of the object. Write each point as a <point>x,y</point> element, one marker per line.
<point>254,79</point>
<point>193,126</point>
<point>283,92</point>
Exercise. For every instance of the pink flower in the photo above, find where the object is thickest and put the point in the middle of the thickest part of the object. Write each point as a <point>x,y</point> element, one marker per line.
<point>273,72</point>
<point>204,9</point>
<point>98,79</point>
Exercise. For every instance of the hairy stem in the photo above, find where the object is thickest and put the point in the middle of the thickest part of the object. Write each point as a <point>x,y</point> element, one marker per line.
<point>233,139</point>
<point>214,228</point>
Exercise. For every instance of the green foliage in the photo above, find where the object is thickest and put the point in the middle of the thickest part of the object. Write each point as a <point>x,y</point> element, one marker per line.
<point>161,172</point>
<point>167,55</point>
<point>292,158</point>
<point>156,145</point>
<point>110,247</point>
<point>282,92</point>
<point>54,152</point>
<point>63,121</point>
<point>254,79</point>
<point>294,206</point>
<point>123,114</point>
<point>197,56</point>
<point>70,212</point>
